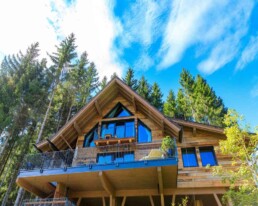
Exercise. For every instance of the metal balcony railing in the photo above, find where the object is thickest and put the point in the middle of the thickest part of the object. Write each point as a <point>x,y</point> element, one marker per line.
<point>102,155</point>
<point>48,202</point>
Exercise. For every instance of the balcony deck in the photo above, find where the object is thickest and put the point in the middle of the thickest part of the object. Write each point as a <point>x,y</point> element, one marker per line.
<point>81,171</point>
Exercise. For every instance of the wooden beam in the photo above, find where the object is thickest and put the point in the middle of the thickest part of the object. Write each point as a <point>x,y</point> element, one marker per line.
<point>52,145</point>
<point>66,141</point>
<point>103,201</point>
<point>39,150</point>
<point>106,184</point>
<point>173,199</point>
<point>77,128</point>
<point>96,103</point>
<point>217,199</point>
<point>112,200</point>
<point>194,131</point>
<point>134,104</point>
<point>79,201</point>
<point>123,202</point>
<point>151,201</point>
<point>160,179</point>
<point>30,188</point>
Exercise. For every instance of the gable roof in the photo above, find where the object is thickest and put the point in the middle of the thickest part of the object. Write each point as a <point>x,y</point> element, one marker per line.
<point>68,134</point>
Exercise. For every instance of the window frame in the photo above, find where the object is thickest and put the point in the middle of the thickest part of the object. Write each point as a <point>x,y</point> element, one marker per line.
<point>195,155</point>
<point>213,154</point>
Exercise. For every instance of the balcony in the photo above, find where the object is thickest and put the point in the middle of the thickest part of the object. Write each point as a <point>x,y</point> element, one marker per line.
<point>128,167</point>
<point>48,202</point>
<point>96,156</point>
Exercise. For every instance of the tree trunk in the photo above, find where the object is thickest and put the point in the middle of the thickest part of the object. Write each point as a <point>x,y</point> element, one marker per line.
<point>69,114</point>
<point>19,197</point>
<point>45,118</point>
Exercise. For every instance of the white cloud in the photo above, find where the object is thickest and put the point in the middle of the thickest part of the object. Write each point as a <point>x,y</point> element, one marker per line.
<point>47,22</point>
<point>142,22</point>
<point>249,53</point>
<point>215,27</point>
<point>23,23</point>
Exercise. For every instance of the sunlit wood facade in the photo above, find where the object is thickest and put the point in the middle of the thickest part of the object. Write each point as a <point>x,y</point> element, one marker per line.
<point>109,154</point>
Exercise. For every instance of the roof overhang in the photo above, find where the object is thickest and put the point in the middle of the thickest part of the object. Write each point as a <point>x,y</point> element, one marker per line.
<point>68,134</point>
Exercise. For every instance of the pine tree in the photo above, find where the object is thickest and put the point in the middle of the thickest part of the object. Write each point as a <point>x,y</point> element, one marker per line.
<point>103,83</point>
<point>113,75</point>
<point>144,89</point>
<point>183,110</point>
<point>156,97</point>
<point>169,108</point>
<point>130,80</point>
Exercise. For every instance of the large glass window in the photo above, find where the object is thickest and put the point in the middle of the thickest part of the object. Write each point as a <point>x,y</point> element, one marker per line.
<point>189,157</point>
<point>118,129</point>
<point>207,156</point>
<point>118,111</point>
<point>107,158</point>
<point>90,137</point>
<point>144,133</point>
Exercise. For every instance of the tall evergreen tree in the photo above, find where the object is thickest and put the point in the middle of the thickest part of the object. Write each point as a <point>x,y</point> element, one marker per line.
<point>130,80</point>
<point>169,108</point>
<point>183,110</point>
<point>156,97</point>
<point>103,83</point>
<point>144,89</point>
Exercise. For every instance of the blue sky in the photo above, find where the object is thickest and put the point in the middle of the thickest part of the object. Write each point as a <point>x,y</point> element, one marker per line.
<point>217,39</point>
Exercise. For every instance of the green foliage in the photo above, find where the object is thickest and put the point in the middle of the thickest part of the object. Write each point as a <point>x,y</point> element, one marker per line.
<point>197,101</point>
<point>130,79</point>
<point>144,89</point>
<point>242,147</point>
<point>156,97</point>
<point>167,143</point>
<point>183,203</point>
<point>169,108</point>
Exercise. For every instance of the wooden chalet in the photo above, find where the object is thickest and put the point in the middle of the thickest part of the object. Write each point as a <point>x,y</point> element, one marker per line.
<point>109,154</point>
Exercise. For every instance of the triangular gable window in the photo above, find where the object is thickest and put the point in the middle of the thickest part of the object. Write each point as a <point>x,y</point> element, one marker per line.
<point>118,111</point>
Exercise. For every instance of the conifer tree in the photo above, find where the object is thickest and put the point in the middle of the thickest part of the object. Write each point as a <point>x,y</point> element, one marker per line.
<point>144,89</point>
<point>169,108</point>
<point>183,110</point>
<point>156,97</point>
<point>130,80</point>
<point>103,83</point>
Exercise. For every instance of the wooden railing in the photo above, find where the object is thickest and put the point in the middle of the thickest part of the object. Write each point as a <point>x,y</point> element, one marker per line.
<point>48,202</point>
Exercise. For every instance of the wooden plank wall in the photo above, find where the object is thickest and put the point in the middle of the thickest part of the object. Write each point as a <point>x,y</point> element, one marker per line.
<point>199,177</point>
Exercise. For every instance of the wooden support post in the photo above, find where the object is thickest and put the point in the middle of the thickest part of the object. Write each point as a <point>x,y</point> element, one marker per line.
<point>60,190</point>
<point>194,131</point>
<point>198,156</point>
<point>112,200</point>
<point>160,180</point>
<point>106,184</point>
<point>77,128</point>
<point>173,199</point>
<point>103,201</point>
<point>123,202</point>
<point>96,103</point>
<point>79,201</point>
<point>62,136</point>
<point>217,199</point>
<point>151,201</point>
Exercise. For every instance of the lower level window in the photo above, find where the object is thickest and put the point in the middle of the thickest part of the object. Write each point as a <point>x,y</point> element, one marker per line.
<point>107,158</point>
<point>189,157</point>
<point>207,156</point>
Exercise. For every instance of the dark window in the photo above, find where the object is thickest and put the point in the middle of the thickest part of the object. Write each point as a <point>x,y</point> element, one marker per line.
<point>118,111</point>
<point>207,156</point>
<point>144,133</point>
<point>189,157</point>
<point>118,129</point>
<point>107,158</point>
<point>90,137</point>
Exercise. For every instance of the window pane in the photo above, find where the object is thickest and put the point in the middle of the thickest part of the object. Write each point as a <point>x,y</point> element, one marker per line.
<point>107,129</point>
<point>129,157</point>
<point>105,158</point>
<point>120,130</point>
<point>207,156</point>
<point>118,111</point>
<point>144,133</point>
<point>189,157</point>
<point>129,129</point>
<point>119,157</point>
<point>90,137</point>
